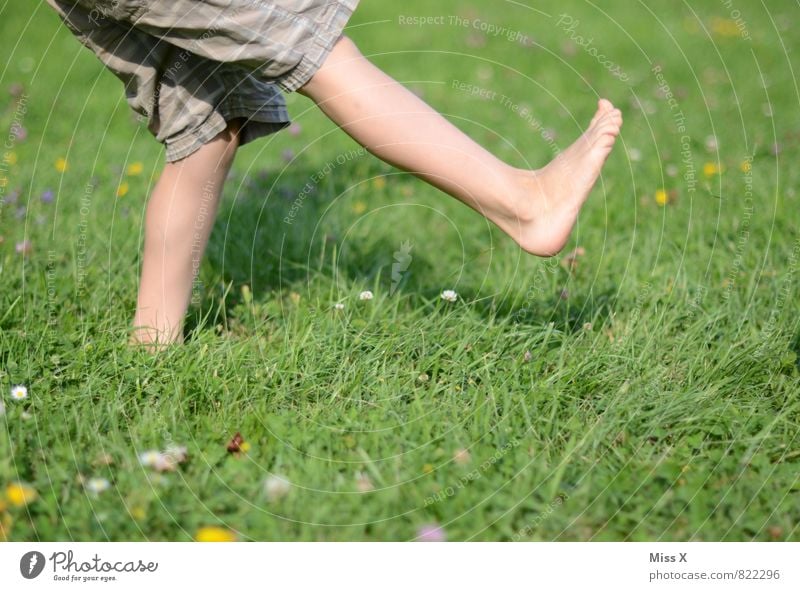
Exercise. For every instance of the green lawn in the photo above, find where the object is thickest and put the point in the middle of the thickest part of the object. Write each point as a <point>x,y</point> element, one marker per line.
<point>649,393</point>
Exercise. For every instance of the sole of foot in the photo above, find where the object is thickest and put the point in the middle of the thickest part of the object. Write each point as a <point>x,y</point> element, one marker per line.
<point>550,198</point>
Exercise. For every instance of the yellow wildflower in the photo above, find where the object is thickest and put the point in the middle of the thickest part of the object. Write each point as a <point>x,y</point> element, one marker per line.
<point>662,198</point>
<point>135,169</point>
<point>379,182</point>
<point>359,207</point>
<point>11,158</point>
<point>19,494</point>
<point>427,468</point>
<point>214,534</point>
<point>61,164</point>
<point>710,169</point>
<point>724,27</point>
<point>122,190</point>
<point>746,166</point>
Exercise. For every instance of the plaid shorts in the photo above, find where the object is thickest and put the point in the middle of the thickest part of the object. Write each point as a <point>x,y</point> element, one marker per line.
<point>189,66</point>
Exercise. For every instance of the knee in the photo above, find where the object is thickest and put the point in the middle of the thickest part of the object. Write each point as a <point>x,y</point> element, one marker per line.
<point>234,126</point>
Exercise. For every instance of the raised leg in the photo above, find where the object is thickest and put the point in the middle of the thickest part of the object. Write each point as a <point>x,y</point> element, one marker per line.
<point>537,208</point>
<point>178,222</point>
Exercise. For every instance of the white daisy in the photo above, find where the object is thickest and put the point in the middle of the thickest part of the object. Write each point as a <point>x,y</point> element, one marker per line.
<point>338,306</point>
<point>97,485</point>
<point>179,453</point>
<point>19,392</point>
<point>276,487</point>
<point>150,458</point>
<point>449,295</point>
<point>165,463</point>
<point>365,295</point>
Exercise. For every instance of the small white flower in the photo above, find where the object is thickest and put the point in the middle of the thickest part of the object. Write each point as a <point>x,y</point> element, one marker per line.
<point>178,453</point>
<point>711,143</point>
<point>635,155</point>
<point>364,483</point>
<point>365,295</point>
<point>449,295</point>
<point>338,306</point>
<point>276,487</point>
<point>19,392</point>
<point>671,170</point>
<point>97,485</point>
<point>462,457</point>
<point>150,458</point>
<point>165,463</point>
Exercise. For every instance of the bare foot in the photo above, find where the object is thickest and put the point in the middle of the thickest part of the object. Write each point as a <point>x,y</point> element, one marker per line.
<point>550,198</point>
<point>153,341</point>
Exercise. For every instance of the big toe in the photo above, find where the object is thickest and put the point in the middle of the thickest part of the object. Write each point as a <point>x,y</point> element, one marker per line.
<point>604,105</point>
<point>604,110</point>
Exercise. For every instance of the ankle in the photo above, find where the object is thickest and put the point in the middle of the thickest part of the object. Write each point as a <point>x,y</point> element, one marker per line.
<point>149,329</point>
<point>516,196</point>
<point>152,341</point>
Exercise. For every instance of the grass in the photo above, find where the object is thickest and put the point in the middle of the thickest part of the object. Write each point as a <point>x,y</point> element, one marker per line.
<point>650,393</point>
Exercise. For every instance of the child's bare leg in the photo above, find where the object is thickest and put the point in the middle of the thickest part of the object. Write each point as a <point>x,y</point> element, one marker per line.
<point>178,222</point>
<point>536,208</point>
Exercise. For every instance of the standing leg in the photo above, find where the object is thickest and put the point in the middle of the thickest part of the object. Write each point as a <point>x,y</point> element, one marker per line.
<point>537,208</point>
<point>178,222</point>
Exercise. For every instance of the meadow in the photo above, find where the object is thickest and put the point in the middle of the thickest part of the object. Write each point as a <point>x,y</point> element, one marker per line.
<point>642,385</point>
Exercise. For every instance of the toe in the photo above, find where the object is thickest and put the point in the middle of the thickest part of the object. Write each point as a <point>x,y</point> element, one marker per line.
<point>606,142</point>
<point>609,127</point>
<point>614,117</point>
<point>604,105</point>
<point>597,116</point>
<point>607,135</point>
